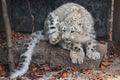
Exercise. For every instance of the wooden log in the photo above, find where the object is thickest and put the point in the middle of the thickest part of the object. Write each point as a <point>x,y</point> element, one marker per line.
<point>46,53</point>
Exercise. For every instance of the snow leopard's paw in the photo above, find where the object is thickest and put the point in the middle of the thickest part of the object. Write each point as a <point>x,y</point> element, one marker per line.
<point>91,51</point>
<point>74,57</point>
<point>54,38</point>
<point>81,56</point>
<point>77,56</point>
<point>93,55</point>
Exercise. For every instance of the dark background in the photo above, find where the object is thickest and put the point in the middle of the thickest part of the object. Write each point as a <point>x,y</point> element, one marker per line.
<point>116,21</point>
<point>21,20</point>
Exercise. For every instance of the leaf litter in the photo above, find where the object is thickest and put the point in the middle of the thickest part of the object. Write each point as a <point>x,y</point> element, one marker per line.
<point>57,72</point>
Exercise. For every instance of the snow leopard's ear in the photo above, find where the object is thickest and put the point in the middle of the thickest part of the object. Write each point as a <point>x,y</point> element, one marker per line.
<point>53,16</point>
<point>50,15</point>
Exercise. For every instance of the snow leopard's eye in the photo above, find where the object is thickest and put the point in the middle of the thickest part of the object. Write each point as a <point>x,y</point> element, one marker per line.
<point>52,27</point>
<point>72,31</point>
<point>64,30</point>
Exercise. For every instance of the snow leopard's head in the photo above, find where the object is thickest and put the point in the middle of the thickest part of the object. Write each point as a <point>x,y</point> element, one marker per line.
<point>70,33</point>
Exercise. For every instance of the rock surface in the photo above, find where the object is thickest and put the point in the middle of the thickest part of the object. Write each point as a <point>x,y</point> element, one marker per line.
<point>46,53</point>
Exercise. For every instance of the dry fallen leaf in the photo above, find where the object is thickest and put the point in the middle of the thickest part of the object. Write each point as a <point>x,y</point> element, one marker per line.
<point>87,72</point>
<point>46,67</point>
<point>106,63</point>
<point>56,68</point>
<point>17,35</point>
<point>0,68</point>
<point>102,42</point>
<point>2,71</point>
<point>65,74</point>
<point>34,69</point>
<point>52,79</point>
<point>102,67</point>
<point>74,68</point>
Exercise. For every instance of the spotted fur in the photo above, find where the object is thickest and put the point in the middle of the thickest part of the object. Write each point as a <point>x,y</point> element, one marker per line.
<point>26,54</point>
<point>75,30</point>
<point>72,27</point>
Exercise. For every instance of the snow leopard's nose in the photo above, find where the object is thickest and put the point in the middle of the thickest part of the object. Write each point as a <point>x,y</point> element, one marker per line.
<point>67,39</point>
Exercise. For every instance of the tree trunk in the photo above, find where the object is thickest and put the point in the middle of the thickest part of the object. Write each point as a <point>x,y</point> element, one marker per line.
<point>8,33</point>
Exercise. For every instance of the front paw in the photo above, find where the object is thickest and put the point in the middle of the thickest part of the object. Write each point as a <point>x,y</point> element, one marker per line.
<point>54,38</point>
<point>81,56</point>
<point>74,57</point>
<point>77,57</point>
<point>93,55</point>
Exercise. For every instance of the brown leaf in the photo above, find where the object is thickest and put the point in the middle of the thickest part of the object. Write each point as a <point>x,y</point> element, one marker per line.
<point>46,67</point>
<point>65,74</point>
<point>37,74</point>
<point>102,67</point>
<point>56,74</point>
<point>106,63</point>
<point>2,71</point>
<point>52,79</point>
<point>110,59</point>
<point>34,69</point>
<point>102,42</point>
<point>74,68</point>
<point>56,68</point>
<point>1,68</point>
<point>87,72</point>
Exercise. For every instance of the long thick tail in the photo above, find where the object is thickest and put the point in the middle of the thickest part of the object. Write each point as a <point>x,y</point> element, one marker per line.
<point>26,54</point>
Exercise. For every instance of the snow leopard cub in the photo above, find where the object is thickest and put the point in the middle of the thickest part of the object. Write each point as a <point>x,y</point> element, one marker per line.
<point>72,27</point>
